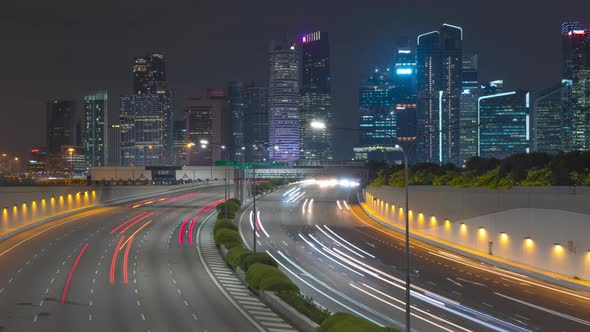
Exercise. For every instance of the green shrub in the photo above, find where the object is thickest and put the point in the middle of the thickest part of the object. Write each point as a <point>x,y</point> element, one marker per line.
<point>259,257</point>
<point>225,224</point>
<point>226,237</point>
<point>235,256</point>
<point>232,209</point>
<point>344,322</point>
<point>235,200</point>
<point>256,272</point>
<point>277,283</point>
<point>305,305</point>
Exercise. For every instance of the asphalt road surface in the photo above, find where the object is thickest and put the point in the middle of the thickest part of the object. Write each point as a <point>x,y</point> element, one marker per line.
<point>123,268</point>
<point>347,262</point>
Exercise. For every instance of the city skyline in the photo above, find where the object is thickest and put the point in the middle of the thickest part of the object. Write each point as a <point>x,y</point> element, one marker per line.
<point>188,77</point>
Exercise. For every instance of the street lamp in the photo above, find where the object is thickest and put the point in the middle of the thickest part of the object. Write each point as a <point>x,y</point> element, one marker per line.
<point>318,125</point>
<point>71,152</point>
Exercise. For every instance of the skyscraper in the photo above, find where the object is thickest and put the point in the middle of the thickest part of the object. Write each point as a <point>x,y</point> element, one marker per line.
<point>439,57</point>
<point>209,127</point>
<point>504,121</point>
<point>388,95</point>
<point>149,78</point>
<point>150,74</point>
<point>468,109</point>
<point>236,104</point>
<point>256,145</point>
<point>114,145</point>
<point>180,144</point>
<point>283,102</point>
<point>63,125</point>
<point>576,97</point>
<point>547,120</point>
<point>143,124</point>
<point>377,116</point>
<point>95,128</point>
<point>316,97</point>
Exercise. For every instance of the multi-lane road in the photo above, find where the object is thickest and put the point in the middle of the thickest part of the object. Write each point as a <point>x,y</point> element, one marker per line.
<point>122,268</point>
<point>347,262</point>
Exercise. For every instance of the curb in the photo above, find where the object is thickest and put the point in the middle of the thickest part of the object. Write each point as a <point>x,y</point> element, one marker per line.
<point>493,262</point>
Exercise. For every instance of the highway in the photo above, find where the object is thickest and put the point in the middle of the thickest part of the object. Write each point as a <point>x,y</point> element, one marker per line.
<point>121,268</point>
<point>347,262</point>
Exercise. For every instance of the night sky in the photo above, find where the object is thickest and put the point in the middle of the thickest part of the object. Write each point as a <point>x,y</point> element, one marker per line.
<point>63,51</point>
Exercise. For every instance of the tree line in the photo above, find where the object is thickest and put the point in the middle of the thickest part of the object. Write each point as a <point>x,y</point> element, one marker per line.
<point>523,169</point>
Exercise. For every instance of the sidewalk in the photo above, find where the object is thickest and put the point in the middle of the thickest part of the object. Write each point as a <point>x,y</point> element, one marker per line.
<point>506,264</point>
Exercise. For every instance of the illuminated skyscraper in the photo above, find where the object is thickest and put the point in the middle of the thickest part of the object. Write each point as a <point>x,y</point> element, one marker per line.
<point>149,78</point>
<point>283,102</point>
<point>316,97</point>
<point>547,125</point>
<point>180,143</point>
<point>468,115</point>
<point>95,128</point>
<point>388,107</point>
<point>150,74</point>
<point>142,125</point>
<point>576,97</point>
<point>505,124</point>
<point>256,145</point>
<point>439,57</point>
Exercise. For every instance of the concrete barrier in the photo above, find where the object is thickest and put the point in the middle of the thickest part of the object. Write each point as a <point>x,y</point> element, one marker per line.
<point>489,260</point>
<point>71,201</point>
<point>302,322</point>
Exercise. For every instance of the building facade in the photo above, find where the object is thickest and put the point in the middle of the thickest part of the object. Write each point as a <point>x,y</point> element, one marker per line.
<point>114,145</point>
<point>236,104</point>
<point>95,128</point>
<point>547,124</point>
<point>283,102</point>
<point>468,109</point>
<point>316,97</point>
<point>256,131</point>
<point>576,96</point>
<point>143,125</point>
<point>63,125</point>
<point>180,144</point>
<point>503,124</point>
<point>439,57</point>
<point>208,128</point>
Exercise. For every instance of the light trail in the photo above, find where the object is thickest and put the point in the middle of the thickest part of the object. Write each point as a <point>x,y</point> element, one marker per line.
<point>69,280</point>
<point>127,221</point>
<point>135,233</point>
<point>181,233</point>
<point>350,244</point>
<point>114,260</point>
<point>190,230</point>
<point>126,260</point>
<point>135,222</point>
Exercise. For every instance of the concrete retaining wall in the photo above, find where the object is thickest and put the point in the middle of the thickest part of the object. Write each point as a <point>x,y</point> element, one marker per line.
<point>23,206</point>
<point>544,227</point>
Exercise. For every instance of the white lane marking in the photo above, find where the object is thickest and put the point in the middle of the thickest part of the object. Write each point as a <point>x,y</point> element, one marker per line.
<point>519,316</point>
<point>142,316</point>
<point>1,290</point>
<point>553,312</point>
<point>453,281</point>
<point>472,282</point>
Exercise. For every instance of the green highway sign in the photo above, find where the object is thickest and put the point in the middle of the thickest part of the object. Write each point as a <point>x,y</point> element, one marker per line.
<point>226,163</point>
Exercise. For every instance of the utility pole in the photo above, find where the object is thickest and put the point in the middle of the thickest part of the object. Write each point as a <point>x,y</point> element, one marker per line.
<point>254,208</point>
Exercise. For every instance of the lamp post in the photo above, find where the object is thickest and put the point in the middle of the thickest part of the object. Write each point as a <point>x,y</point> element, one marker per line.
<point>318,125</point>
<point>71,152</point>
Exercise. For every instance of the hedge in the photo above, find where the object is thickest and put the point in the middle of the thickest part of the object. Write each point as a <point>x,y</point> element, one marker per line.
<point>269,278</point>
<point>225,223</point>
<point>259,257</point>
<point>278,283</point>
<point>229,238</point>
<point>236,255</point>
<point>305,305</point>
<point>235,200</point>
<point>232,209</point>
<point>344,322</point>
